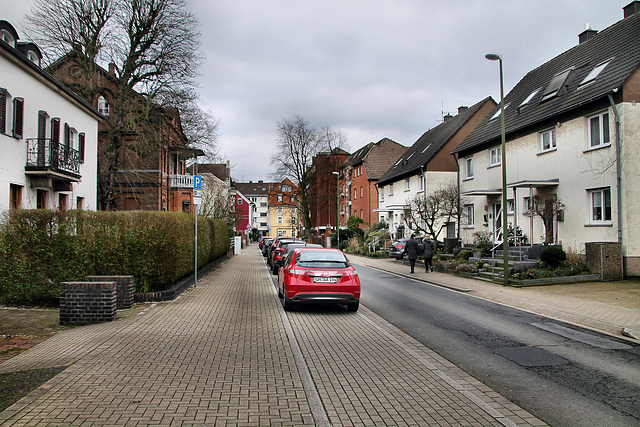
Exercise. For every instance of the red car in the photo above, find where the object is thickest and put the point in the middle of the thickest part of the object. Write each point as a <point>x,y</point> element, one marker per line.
<point>318,275</point>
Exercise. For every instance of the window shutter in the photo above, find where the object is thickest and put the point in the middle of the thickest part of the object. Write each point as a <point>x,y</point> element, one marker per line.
<point>18,117</point>
<point>42,132</point>
<point>55,130</point>
<point>81,146</point>
<point>67,136</point>
<point>3,110</point>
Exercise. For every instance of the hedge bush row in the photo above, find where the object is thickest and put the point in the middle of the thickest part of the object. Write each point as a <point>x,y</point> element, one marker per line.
<point>41,248</point>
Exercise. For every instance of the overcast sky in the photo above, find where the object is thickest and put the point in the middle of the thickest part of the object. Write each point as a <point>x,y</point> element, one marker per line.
<point>370,68</point>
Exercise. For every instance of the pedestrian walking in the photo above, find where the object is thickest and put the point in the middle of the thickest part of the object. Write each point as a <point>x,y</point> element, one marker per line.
<point>411,248</point>
<point>428,247</point>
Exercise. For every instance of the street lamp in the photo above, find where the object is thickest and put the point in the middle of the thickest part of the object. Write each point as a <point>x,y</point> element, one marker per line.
<point>505,236</point>
<point>337,174</point>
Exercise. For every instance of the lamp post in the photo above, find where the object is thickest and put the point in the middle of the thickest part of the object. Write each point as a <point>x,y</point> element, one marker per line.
<point>505,236</point>
<point>337,174</point>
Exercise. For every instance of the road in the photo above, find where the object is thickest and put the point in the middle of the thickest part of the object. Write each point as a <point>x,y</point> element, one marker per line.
<point>562,374</point>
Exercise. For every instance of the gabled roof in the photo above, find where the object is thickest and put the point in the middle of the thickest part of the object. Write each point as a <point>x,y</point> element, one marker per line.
<point>617,46</point>
<point>429,144</point>
<point>359,155</point>
<point>377,157</point>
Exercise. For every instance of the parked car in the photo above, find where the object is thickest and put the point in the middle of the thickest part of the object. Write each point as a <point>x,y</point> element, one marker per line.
<point>278,250</point>
<point>311,275</point>
<point>265,246</point>
<point>397,247</point>
<point>287,249</point>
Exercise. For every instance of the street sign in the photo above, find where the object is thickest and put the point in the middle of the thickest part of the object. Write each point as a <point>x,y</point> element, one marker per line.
<point>197,201</point>
<point>197,193</point>
<point>197,182</point>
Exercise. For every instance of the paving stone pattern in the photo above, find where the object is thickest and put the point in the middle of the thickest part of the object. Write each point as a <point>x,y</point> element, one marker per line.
<point>224,353</point>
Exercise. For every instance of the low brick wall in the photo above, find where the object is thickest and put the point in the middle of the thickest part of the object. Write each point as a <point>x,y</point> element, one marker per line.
<point>83,303</point>
<point>125,287</point>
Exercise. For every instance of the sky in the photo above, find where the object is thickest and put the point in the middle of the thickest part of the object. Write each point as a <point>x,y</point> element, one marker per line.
<point>369,68</point>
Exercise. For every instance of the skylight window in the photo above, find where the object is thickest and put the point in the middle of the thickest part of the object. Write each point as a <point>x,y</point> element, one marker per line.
<point>595,72</point>
<point>555,85</point>
<point>497,113</point>
<point>426,148</point>
<point>530,97</point>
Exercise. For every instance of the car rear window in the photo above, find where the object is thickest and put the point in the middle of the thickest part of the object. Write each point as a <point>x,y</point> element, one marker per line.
<point>321,259</point>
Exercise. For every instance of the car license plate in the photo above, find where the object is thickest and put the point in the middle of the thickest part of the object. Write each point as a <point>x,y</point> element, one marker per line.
<point>325,280</point>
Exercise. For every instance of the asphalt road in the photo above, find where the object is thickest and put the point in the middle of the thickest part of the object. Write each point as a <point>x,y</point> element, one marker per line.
<point>562,374</point>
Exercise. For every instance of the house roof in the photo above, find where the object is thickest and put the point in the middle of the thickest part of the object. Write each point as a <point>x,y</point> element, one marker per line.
<point>429,144</point>
<point>377,157</point>
<point>617,48</point>
<point>253,188</point>
<point>220,170</point>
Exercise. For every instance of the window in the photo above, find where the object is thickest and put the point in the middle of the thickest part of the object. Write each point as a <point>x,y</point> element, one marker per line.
<point>391,189</point>
<point>15,196</point>
<point>497,113</point>
<point>293,199</point>
<point>361,192</point>
<point>280,209</point>
<point>510,207</point>
<point>41,199</point>
<point>599,130</point>
<point>263,204</point>
<point>548,140</point>
<point>527,206</point>
<point>469,215</point>
<point>382,194</point>
<point>18,117</point>
<point>421,182</point>
<point>103,106</point>
<point>62,202</point>
<point>3,110</point>
<point>530,97</point>
<point>282,233</point>
<point>263,224</point>
<point>407,184</point>
<point>595,73</point>
<point>355,193</point>
<point>263,214</point>
<point>495,158</point>
<point>81,139</point>
<point>280,198</point>
<point>555,85</point>
<point>239,201</point>
<point>80,203</point>
<point>7,38</point>
<point>286,188</point>
<point>279,219</point>
<point>361,216</point>
<point>600,201</point>
<point>468,170</point>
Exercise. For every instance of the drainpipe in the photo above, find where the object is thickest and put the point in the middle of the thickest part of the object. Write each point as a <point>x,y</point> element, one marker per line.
<point>424,179</point>
<point>618,172</point>
<point>458,226</point>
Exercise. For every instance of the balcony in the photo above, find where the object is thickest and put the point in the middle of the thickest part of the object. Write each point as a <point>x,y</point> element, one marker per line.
<point>52,164</point>
<point>181,181</point>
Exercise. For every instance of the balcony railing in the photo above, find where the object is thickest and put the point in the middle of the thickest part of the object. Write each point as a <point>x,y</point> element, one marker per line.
<point>45,154</point>
<point>181,181</point>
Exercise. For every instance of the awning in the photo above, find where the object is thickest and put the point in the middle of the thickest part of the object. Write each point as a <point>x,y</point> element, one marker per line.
<point>482,193</point>
<point>535,183</point>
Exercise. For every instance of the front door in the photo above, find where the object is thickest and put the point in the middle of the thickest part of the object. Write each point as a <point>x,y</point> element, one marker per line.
<point>497,222</point>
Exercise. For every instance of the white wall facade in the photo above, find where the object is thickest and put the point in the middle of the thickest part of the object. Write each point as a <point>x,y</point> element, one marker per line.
<point>392,198</point>
<point>572,170</point>
<point>41,95</point>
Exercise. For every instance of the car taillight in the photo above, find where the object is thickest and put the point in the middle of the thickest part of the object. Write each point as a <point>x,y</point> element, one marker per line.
<point>296,272</point>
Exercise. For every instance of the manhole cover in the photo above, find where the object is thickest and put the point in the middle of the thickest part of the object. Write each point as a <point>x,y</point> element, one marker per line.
<point>531,356</point>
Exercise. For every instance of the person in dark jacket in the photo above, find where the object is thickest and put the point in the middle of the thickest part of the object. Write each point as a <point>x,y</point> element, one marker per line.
<point>428,249</point>
<point>411,248</point>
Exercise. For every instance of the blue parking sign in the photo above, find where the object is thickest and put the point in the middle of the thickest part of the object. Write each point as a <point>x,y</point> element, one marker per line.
<point>197,182</point>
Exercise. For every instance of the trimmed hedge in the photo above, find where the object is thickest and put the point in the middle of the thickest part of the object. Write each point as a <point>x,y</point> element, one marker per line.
<point>41,248</point>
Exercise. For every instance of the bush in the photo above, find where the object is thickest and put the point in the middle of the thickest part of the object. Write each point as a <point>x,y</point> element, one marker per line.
<point>553,256</point>
<point>40,249</point>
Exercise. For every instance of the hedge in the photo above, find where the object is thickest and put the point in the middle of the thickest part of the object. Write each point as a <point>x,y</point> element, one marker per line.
<point>41,248</point>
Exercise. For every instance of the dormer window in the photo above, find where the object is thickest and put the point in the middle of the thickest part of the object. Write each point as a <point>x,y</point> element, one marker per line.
<point>497,113</point>
<point>595,72</point>
<point>103,106</point>
<point>33,57</point>
<point>8,38</point>
<point>555,85</point>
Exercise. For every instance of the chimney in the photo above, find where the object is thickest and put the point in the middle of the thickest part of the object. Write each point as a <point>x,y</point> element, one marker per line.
<point>631,8</point>
<point>587,34</point>
<point>447,117</point>
<point>462,109</point>
<point>112,68</point>
<point>260,182</point>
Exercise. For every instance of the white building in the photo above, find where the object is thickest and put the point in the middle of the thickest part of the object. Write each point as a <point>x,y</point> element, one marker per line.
<point>48,134</point>
<point>425,167</point>
<point>572,136</point>
<point>258,194</point>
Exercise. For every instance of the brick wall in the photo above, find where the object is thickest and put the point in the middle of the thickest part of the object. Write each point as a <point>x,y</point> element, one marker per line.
<point>125,288</point>
<point>83,303</point>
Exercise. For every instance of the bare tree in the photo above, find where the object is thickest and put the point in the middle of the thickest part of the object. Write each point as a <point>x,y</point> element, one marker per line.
<point>216,201</point>
<point>151,46</point>
<point>298,142</point>
<point>547,207</point>
<point>432,212</point>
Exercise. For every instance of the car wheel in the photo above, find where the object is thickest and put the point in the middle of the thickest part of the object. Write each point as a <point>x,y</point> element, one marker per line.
<point>353,306</point>
<point>286,302</point>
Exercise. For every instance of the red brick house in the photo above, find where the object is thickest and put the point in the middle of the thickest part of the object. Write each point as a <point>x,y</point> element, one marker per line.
<point>148,173</point>
<point>359,175</point>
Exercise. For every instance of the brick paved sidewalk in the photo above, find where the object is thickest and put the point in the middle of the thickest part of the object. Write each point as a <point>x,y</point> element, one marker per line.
<point>225,353</point>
